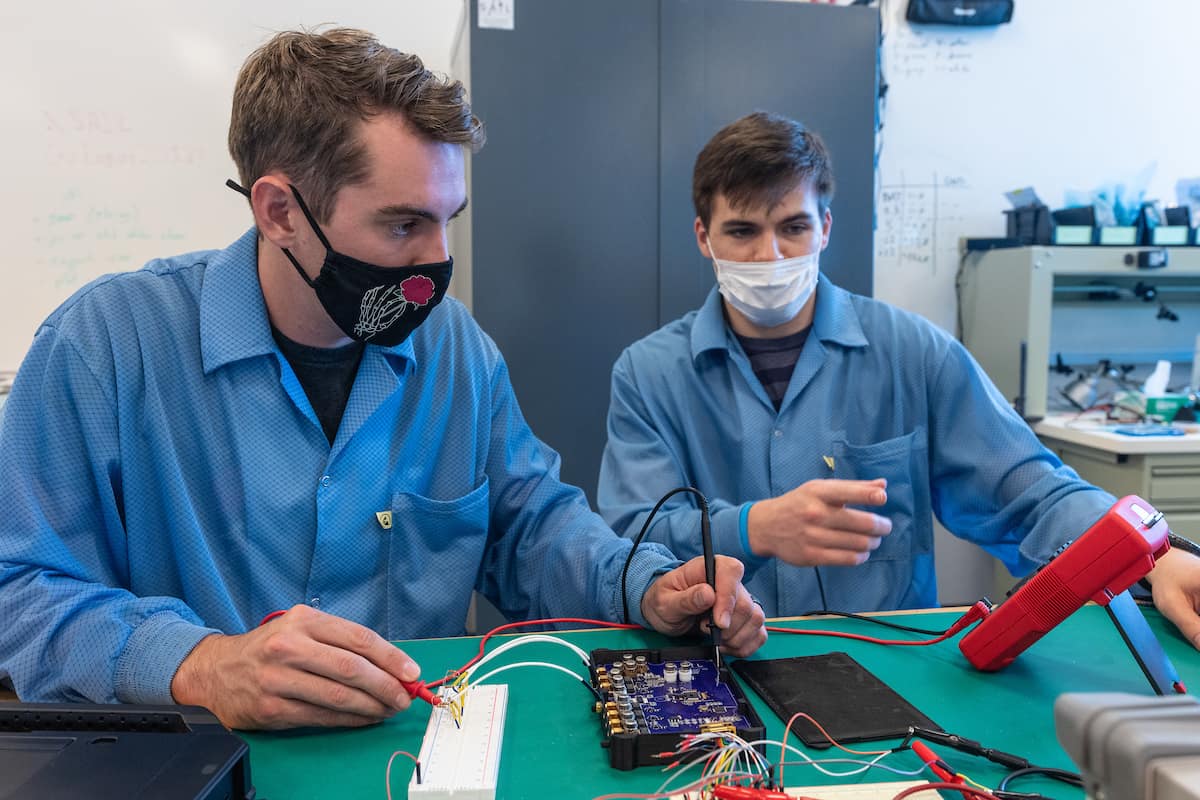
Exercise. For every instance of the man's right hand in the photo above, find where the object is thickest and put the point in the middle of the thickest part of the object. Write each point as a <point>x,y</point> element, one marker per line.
<point>811,525</point>
<point>304,668</point>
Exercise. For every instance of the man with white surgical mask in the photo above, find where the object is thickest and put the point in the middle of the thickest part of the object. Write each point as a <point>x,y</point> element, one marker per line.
<point>827,429</point>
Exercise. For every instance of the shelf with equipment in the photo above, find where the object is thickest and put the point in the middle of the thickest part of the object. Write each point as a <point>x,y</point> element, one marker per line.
<point>1036,316</point>
<point>1043,319</point>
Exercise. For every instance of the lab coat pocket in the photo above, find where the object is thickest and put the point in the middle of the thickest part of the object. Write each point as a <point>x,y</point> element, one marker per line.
<point>904,461</point>
<point>434,557</point>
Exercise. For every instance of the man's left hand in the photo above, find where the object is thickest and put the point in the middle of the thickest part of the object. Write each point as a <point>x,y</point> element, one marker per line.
<point>1175,581</point>
<point>678,602</point>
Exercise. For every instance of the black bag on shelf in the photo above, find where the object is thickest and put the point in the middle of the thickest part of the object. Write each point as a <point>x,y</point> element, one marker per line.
<point>960,12</point>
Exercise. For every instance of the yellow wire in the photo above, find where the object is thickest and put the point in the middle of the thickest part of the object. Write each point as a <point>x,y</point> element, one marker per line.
<point>726,760</point>
<point>976,784</point>
<point>461,686</point>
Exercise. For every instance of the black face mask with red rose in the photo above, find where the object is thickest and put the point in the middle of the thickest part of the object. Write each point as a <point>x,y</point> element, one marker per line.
<point>373,304</point>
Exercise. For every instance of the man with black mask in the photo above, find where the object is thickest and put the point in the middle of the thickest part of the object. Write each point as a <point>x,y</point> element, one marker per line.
<point>301,420</point>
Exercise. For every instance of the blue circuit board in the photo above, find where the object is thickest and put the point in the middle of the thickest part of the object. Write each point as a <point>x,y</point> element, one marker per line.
<point>672,696</point>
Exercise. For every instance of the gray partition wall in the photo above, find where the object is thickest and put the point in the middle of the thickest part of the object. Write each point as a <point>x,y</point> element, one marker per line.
<point>722,59</point>
<point>581,200</point>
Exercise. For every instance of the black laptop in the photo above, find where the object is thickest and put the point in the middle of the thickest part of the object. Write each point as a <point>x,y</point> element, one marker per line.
<point>53,750</point>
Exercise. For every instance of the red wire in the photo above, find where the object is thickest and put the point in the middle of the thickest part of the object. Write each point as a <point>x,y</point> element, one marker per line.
<point>420,689</point>
<point>387,776</point>
<point>522,624</point>
<point>967,791</point>
<point>787,728</point>
<point>272,616</point>
<point>973,614</point>
<point>681,791</point>
<point>861,638</point>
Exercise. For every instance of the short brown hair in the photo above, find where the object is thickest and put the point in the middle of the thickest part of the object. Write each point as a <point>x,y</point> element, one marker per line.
<point>300,97</point>
<point>761,156</point>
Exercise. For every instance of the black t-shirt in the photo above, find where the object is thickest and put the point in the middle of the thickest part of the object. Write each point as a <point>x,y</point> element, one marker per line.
<point>327,375</point>
<point>774,360</point>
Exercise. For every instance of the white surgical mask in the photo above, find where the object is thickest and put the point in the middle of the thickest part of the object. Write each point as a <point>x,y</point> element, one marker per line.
<point>769,293</point>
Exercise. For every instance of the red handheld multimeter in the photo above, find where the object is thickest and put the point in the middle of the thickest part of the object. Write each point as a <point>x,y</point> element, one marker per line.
<point>1107,559</point>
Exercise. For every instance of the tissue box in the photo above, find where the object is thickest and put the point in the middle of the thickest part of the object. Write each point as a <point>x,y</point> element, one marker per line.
<point>1166,406</point>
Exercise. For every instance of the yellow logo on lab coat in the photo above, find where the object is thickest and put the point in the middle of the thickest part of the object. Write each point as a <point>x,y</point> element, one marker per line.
<point>385,519</point>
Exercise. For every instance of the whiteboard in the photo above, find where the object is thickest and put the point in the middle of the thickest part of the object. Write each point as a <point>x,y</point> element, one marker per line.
<point>1071,94</point>
<point>114,119</point>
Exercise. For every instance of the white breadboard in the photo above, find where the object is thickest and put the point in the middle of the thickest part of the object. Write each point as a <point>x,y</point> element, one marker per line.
<point>463,763</point>
<point>845,791</point>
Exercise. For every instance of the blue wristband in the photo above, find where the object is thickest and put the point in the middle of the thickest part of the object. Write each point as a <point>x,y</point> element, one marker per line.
<point>744,530</point>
